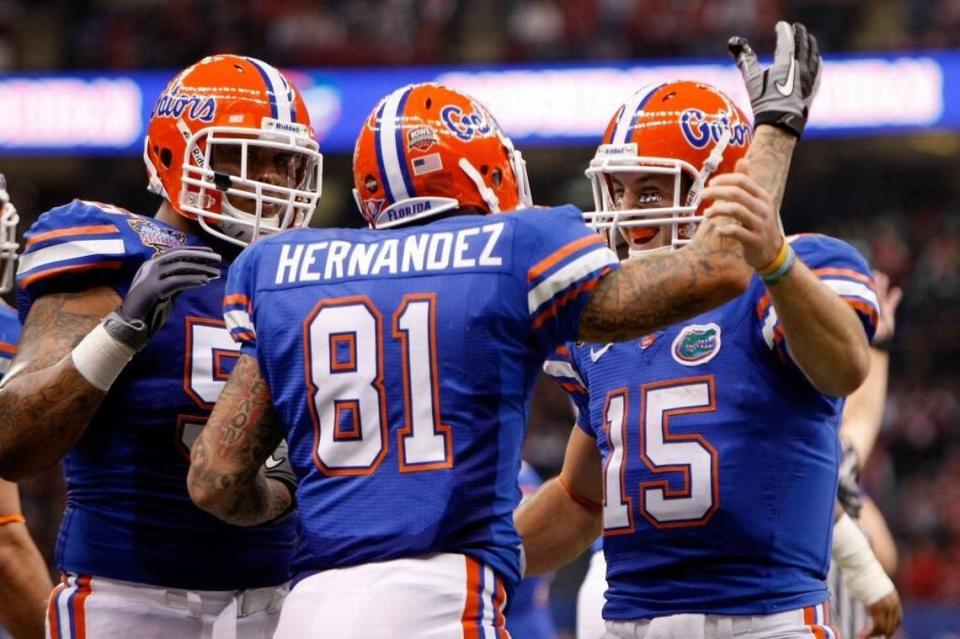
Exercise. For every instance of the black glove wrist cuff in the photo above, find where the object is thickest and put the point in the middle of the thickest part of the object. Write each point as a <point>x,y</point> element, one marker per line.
<point>132,333</point>
<point>789,122</point>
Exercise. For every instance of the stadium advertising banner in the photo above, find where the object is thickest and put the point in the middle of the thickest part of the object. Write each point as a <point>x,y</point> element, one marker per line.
<point>105,113</point>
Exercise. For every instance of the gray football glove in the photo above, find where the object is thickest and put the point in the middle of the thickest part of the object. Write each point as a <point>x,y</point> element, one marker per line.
<point>153,290</point>
<point>781,95</point>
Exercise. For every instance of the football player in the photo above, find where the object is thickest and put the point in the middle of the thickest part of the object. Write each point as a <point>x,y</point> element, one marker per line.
<point>124,352</point>
<point>398,362</point>
<point>24,581</point>
<point>707,453</point>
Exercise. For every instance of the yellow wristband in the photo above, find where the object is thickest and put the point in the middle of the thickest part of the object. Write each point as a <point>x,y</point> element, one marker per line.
<point>777,261</point>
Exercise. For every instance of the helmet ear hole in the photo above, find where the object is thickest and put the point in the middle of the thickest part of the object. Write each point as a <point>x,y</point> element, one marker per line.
<point>166,157</point>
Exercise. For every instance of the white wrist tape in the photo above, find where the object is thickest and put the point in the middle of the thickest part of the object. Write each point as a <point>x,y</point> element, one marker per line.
<point>859,567</point>
<point>100,358</point>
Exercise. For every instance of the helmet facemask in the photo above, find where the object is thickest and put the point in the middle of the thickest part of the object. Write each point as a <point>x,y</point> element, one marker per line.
<point>8,239</point>
<point>618,226</point>
<point>221,167</point>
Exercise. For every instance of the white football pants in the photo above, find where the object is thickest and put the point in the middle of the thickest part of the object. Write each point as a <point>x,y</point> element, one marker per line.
<point>441,596</point>
<point>812,622</point>
<point>85,607</point>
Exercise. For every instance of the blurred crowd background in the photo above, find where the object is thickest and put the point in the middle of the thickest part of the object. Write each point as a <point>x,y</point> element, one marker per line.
<point>897,199</point>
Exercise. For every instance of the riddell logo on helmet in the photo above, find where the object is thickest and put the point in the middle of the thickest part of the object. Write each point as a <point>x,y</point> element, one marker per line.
<point>421,138</point>
<point>190,105</point>
<point>699,130</point>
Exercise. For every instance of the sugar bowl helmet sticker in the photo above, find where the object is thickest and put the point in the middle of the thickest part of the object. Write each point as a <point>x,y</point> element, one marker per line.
<point>696,344</point>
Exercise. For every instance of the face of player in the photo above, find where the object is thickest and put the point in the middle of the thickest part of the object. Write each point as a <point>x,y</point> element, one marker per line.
<point>644,191</point>
<point>267,165</point>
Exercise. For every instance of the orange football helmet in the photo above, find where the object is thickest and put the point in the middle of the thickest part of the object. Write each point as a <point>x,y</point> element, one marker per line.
<point>230,145</point>
<point>8,238</point>
<point>683,129</point>
<point>426,149</point>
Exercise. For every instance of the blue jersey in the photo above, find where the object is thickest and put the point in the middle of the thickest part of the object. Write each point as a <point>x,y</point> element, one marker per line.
<point>720,458</point>
<point>401,365</point>
<point>128,515</point>
<point>529,616</point>
<point>9,334</point>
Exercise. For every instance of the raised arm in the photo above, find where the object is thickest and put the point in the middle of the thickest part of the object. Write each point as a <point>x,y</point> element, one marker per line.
<point>227,477</point>
<point>565,516</point>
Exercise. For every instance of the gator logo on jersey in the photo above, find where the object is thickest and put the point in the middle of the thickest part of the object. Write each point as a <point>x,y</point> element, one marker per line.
<point>696,344</point>
<point>155,236</point>
<point>698,130</point>
<point>421,138</point>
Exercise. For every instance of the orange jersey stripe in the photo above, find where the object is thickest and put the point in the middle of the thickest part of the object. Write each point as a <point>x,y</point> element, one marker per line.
<point>845,272</point>
<point>470,621</point>
<point>863,307</point>
<point>538,269</point>
<point>97,229</point>
<point>236,298</point>
<point>9,349</point>
<point>75,268</point>
<point>552,310</point>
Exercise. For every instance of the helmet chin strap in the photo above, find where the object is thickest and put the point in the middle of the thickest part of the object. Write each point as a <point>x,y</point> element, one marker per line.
<point>712,162</point>
<point>493,202</point>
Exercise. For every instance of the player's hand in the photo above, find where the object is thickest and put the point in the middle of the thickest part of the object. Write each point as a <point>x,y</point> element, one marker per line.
<point>889,300</point>
<point>738,196</point>
<point>781,95</point>
<point>154,287</point>
<point>885,617</point>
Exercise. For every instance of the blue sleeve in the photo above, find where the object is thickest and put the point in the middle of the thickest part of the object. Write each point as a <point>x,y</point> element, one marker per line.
<point>83,245</point>
<point>238,299</point>
<point>562,366</point>
<point>562,263</point>
<point>9,336</point>
<point>842,269</point>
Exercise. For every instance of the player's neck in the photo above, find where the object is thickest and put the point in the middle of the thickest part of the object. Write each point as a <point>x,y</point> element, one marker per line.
<point>170,217</point>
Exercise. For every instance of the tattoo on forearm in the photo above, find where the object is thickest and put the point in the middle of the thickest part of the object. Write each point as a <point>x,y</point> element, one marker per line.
<point>770,156</point>
<point>661,289</point>
<point>241,433</point>
<point>45,404</point>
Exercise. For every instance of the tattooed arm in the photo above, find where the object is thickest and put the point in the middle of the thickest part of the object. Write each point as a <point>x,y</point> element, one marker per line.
<point>226,477</point>
<point>45,404</point>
